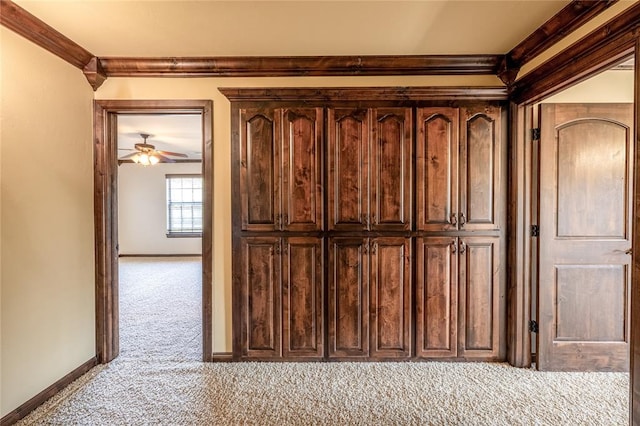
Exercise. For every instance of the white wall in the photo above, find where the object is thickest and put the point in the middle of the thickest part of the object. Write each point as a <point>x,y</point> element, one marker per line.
<point>142,210</point>
<point>46,192</point>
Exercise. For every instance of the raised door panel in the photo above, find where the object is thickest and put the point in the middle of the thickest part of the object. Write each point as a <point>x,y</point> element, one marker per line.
<point>260,283</point>
<point>348,139</point>
<point>302,298</point>
<point>436,297</point>
<point>260,170</point>
<point>437,169</point>
<point>586,188</point>
<point>348,297</point>
<point>390,293</point>
<point>481,169</point>
<point>302,148</point>
<point>481,299</point>
<point>391,158</point>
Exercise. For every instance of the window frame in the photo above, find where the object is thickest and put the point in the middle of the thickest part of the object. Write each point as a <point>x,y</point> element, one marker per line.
<point>178,234</point>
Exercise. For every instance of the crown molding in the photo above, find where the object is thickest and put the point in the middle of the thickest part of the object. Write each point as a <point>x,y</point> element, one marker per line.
<point>605,46</point>
<point>364,94</point>
<point>571,17</point>
<point>289,66</point>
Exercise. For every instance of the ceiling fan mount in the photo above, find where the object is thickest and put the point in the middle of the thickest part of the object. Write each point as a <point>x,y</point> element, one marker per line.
<point>146,154</point>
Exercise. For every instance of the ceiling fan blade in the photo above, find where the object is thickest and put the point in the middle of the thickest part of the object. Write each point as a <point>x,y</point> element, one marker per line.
<point>164,159</point>
<point>174,154</point>
<point>129,155</point>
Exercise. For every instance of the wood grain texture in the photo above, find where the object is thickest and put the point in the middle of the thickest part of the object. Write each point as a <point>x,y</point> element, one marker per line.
<point>437,169</point>
<point>348,163</point>
<point>391,171</point>
<point>568,19</point>
<point>597,51</point>
<point>260,151</point>
<point>289,66</point>
<point>436,297</point>
<point>33,403</point>
<point>390,294</point>
<point>518,239</point>
<point>348,297</point>
<point>634,350</point>
<point>584,271</point>
<point>342,94</point>
<point>261,268</point>
<point>481,169</point>
<point>303,298</point>
<point>302,169</point>
<point>480,298</point>
<point>105,214</point>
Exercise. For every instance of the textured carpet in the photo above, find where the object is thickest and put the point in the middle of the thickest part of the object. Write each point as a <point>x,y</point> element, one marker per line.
<point>167,385</point>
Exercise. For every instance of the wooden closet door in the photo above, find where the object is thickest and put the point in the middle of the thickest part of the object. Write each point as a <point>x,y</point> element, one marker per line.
<point>481,169</point>
<point>302,297</point>
<point>260,169</point>
<point>481,289</point>
<point>436,297</point>
<point>437,169</point>
<point>260,293</point>
<point>390,294</point>
<point>348,297</point>
<point>348,139</point>
<point>302,186</point>
<point>391,164</point>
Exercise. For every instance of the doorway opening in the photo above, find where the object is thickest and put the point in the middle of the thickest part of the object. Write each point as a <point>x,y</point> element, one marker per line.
<point>583,175</point>
<point>181,220</point>
<point>160,220</point>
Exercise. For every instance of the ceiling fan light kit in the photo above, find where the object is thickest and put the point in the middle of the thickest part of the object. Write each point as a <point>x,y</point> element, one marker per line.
<point>147,155</point>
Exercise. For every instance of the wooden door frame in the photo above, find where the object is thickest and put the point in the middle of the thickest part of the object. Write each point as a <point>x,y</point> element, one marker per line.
<point>592,54</point>
<point>106,215</point>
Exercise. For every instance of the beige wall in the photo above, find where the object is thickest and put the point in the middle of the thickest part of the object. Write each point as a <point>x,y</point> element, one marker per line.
<point>207,88</point>
<point>607,87</point>
<point>142,210</point>
<point>46,193</point>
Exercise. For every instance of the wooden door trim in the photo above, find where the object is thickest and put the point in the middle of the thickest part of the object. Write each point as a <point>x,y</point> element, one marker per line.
<point>106,209</point>
<point>595,52</point>
<point>600,49</point>
<point>570,18</point>
<point>634,351</point>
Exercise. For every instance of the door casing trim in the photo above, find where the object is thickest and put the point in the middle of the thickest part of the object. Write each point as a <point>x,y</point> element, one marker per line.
<point>106,215</point>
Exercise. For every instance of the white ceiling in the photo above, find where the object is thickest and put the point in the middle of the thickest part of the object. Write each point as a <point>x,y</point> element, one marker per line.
<point>297,28</point>
<point>169,132</point>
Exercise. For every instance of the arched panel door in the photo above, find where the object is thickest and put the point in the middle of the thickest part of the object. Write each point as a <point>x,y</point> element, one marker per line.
<point>586,165</point>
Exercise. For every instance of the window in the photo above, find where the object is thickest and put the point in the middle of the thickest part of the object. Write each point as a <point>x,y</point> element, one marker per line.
<point>184,205</point>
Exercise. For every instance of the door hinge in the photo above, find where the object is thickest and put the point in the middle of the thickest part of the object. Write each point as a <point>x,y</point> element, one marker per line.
<point>535,231</point>
<point>533,326</point>
<point>535,134</point>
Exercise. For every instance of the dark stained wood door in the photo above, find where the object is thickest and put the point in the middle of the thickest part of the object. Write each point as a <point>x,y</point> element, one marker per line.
<point>348,186</point>
<point>348,297</point>
<point>260,169</point>
<point>302,188</point>
<point>260,280</point>
<point>390,294</point>
<point>481,169</point>
<point>390,169</point>
<point>481,299</point>
<point>436,297</point>
<point>302,298</point>
<point>585,234</point>
<point>437,169</point>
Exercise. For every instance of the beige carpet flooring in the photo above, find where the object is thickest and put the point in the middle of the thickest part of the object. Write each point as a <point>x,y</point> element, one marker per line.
<point>167,385</point>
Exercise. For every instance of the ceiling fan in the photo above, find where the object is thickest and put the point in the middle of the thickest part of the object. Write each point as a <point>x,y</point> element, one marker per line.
<point>147,154</point>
